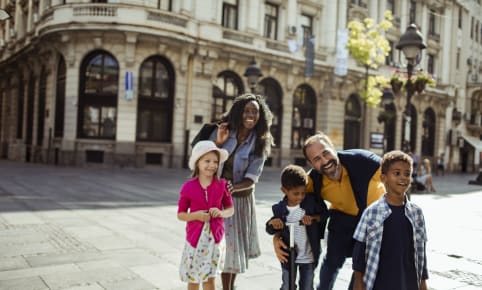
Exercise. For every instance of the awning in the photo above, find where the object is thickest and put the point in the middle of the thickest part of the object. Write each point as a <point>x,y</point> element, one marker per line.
<point>477,144</point>
<point>474,142</point>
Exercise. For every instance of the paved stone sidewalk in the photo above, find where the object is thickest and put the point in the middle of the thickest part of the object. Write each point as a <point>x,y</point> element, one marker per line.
<point>92,228</point>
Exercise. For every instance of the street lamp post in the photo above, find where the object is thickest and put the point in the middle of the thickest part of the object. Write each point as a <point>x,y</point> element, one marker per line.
<point>253,73</point>
<point>411,44</point>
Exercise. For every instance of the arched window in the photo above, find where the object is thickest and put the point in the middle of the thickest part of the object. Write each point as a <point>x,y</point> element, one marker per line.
<point>41,106</point>
<point>304,115</point>
<point>227,87</point>
<point>390,126</point>
<point>271,89</point>
<point>99,79</point>
<point>351,131</point>
<point>428,136</point>
<point>20,103</point>
<point>156,100</point>
<point>413,131</point>
<point>60,98</point>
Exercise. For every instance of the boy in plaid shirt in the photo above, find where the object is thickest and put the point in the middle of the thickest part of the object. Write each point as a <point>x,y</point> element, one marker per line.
<point>389,251</point>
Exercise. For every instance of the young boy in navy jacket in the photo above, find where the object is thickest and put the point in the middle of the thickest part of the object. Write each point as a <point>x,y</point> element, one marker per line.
<point>304,211</point>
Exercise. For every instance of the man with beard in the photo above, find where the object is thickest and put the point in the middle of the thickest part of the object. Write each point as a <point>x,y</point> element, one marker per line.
<point>350,181</point>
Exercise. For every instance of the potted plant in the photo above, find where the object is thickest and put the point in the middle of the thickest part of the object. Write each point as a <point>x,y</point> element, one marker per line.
<point>396,82</point>
<point>422,80</point>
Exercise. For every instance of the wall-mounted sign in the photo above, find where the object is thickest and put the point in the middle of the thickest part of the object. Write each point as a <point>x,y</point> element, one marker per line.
<point>376,140</point>
<point>129,81</point>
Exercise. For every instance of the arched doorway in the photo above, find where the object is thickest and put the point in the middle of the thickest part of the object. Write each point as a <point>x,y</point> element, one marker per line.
<point>352,126</point>
<point>227,87</point>
<point>156,100</point>
<point>390,127</point>
<point>273,93</point>
<point>428,136</point>
<point>412,133</point>
<point>304,115</point>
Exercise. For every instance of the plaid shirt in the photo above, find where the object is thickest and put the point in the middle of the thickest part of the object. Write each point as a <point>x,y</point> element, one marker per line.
<point>370,232</point>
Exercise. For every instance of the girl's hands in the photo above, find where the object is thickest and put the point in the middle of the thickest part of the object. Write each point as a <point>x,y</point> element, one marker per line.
<point>202,215</point>
<point>215,212</point>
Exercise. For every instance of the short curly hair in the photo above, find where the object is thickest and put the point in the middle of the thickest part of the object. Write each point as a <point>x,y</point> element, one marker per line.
<point>394,156</point>
<point>264,139</point>
<point>293,176</point>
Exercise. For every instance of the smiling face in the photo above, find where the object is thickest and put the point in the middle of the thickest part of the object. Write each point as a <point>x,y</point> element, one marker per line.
<point>250,115</point>
<point>294,195</point>
<point>323,158</point>
<point>208,164</point>
<point>397,180</point>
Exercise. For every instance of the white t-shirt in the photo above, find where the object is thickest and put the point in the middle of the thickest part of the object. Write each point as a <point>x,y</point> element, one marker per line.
<point>302,244</point>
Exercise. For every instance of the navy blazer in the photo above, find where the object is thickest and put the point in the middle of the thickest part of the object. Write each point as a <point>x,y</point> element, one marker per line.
<point>312,206</point>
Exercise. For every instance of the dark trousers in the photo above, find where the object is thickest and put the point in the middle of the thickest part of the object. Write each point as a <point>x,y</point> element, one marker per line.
<point>339,246</point>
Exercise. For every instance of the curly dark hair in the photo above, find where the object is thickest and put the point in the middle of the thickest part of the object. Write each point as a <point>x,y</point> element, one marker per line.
<point>293,176</point>
<point>394,156</point>
<point>264,139</point>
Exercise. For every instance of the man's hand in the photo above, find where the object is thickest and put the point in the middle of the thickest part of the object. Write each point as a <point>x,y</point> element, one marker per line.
<point>306,220</point>
<point>423,284</point>
<point>278,246</point>
<point>276,223</point>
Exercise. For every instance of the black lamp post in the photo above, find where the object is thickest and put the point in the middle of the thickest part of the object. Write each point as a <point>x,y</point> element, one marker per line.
<point>4,15</point>
<point>253,73</point>
<point>411,44</point>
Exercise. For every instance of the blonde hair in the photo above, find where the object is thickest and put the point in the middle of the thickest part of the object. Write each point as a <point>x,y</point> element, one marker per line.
<point>195,171</point>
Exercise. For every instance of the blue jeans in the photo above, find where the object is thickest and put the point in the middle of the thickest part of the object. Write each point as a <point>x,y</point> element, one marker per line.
<point>339,246</point>
<point>307,273</point>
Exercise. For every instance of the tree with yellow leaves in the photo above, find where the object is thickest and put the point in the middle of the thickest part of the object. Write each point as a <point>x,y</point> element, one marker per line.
<point>368,45</point>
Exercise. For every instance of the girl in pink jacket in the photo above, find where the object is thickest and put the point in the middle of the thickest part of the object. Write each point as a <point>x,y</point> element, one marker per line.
<point>204,202</point>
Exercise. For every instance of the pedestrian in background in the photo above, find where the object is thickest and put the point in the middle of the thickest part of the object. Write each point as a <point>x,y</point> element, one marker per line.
<point>304,212</point>
<point>390,251</point>
<point>204,202</point>
<point>350,181</point>
<point>425,175</point>
<point>441,164</point>
<point>245,134</point>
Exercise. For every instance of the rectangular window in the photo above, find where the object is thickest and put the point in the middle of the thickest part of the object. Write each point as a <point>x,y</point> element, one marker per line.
<point>306,27</point>
<point>457,59</point>
<point>391,6</point>
<point>230,14</point>
<point>472,28</point>
<point>413,11</point>
<point>164,5</point>
<point>271,21</point>
<point>431,22</point>
<point>431,64</point>
<point>389,58</point>
<point>20,104</point>
<point>460,17</point>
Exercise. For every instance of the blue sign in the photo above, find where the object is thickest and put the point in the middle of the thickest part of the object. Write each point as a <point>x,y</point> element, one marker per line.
<point>129,81</point>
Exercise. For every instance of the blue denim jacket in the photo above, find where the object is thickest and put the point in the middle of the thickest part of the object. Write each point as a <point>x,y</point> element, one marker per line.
<point>245,164</point>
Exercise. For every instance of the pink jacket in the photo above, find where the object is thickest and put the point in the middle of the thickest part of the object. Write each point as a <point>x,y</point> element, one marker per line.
<point>192,198</point>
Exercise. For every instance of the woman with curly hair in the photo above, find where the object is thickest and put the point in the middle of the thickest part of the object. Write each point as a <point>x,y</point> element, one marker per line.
<point>245,134</point>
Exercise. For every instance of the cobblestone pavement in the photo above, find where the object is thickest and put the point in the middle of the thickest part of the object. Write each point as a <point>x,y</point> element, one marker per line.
<point>95,228</point>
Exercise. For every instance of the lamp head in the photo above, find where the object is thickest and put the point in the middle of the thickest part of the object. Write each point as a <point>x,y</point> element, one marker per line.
<point>411,43</point>
<point>253,73</point>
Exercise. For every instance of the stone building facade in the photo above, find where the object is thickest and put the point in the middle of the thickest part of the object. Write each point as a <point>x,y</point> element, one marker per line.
<point>130,82</point>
